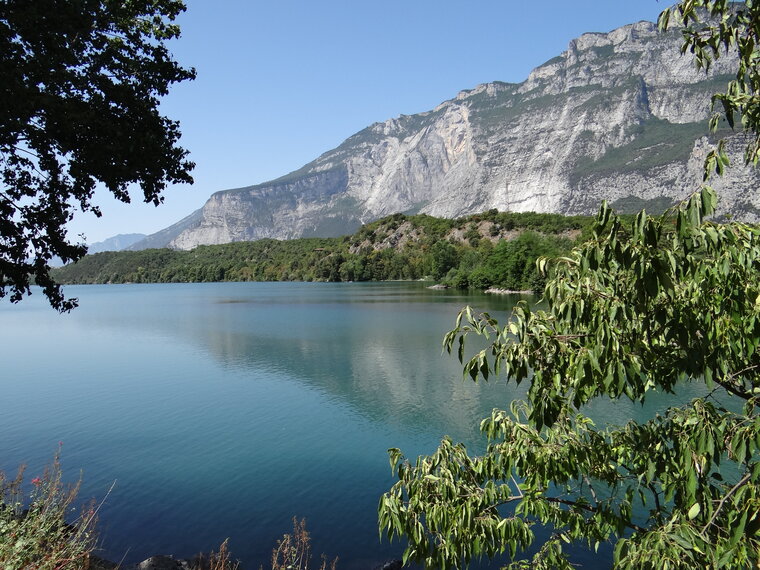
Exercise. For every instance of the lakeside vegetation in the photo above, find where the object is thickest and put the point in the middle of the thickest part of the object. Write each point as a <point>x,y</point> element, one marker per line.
<point>37,532</point>
<point>492,249</point>
<point>672,300</point>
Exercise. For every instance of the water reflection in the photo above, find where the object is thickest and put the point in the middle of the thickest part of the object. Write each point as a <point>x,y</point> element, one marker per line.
<point>225,409</point>
<point>376,347</point>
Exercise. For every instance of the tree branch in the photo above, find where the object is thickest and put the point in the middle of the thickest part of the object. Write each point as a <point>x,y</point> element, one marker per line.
<point>591,510</point>
<point>743,370</point>
<point>733,389</point>
<point>743,481</point>
<point>656,496</point>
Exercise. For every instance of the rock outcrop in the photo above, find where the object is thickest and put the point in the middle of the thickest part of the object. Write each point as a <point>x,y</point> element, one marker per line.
<point>618,116</point>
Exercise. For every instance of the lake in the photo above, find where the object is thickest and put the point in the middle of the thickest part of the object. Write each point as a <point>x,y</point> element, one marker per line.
<point>223,410</point>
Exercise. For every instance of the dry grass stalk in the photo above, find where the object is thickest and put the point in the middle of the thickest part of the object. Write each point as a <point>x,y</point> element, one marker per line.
<point>217,560</point>
<point>34,532</point>
<point>293,551</point>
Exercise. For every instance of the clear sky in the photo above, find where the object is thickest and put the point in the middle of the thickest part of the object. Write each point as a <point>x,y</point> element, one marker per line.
<point>281,82</point>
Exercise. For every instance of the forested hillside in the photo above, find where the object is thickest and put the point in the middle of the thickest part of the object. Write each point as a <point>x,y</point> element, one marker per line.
<point>482,250</point>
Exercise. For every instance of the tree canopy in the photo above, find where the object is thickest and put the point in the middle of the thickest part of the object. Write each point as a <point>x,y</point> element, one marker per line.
<point>670,305</point>
<point>81,82</point>
<point>395,247</point>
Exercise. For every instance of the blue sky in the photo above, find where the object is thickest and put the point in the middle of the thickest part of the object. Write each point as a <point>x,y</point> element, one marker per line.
<point>281,82</point>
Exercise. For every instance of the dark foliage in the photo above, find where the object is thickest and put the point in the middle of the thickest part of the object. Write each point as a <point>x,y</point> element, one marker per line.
<point>81,82</point>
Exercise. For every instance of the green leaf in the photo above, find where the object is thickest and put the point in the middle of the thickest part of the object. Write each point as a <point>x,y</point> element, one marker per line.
<point>738,529</point>
<point>660,304</point>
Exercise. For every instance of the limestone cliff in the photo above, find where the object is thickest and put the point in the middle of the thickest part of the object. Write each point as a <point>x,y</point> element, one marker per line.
<point>618,116</point>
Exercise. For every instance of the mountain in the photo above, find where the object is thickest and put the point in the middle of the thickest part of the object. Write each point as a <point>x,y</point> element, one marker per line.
<point>115,243</point>
<point>619,116</point>
<point>163,238</point>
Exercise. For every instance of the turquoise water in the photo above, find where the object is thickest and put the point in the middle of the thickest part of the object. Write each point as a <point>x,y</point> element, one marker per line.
<point>223,410</point>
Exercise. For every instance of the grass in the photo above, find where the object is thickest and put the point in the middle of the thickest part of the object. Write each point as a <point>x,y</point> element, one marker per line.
<point>217,560</point>
<point>35,532</point>
<point>293,551</point>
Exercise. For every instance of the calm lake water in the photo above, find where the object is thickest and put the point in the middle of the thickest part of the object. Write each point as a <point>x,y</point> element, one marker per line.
<point>223,410</point>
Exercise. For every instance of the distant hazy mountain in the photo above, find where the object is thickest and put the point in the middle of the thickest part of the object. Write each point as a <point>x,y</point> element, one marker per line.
<point>115,243</point>
<point>618,116</point>
<point>163,237</point>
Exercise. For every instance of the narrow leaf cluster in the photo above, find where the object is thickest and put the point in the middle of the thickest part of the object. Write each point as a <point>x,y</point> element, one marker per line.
<point>712,29</point>
<point>667,305</point>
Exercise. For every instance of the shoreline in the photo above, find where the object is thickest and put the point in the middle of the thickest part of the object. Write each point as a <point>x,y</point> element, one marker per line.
<point>490,290</point>
<point>499,291</point>
<point>198,562</point>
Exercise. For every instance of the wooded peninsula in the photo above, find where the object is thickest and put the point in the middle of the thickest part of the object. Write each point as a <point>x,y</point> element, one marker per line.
<point>492,249</point>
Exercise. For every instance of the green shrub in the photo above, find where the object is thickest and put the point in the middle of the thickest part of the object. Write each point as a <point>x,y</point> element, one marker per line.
<point>34,532</point>
<point>480,279</point>
<point>460,280</point>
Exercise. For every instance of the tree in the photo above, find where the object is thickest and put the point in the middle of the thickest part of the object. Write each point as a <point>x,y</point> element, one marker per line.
<point>81,82</point>
<point>665,305</point>
<point>443,256</point>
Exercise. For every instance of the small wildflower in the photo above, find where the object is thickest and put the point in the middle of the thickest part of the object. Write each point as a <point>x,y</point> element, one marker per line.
<point>36,481</point>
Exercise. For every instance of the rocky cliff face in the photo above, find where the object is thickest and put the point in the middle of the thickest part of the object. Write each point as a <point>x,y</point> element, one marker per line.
<point>618,116</point>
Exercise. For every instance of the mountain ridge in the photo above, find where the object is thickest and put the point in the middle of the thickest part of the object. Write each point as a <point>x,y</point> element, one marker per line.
<point>115,243</point>
<point>618,116</point>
